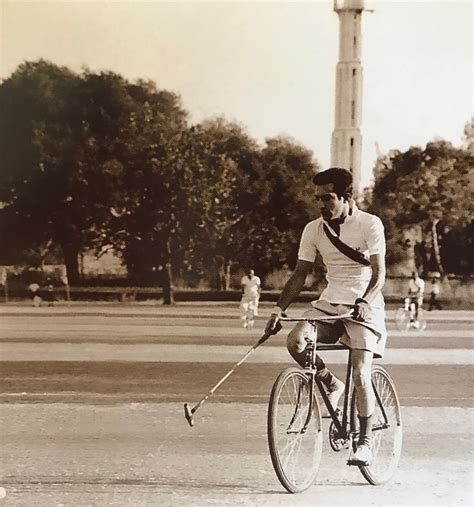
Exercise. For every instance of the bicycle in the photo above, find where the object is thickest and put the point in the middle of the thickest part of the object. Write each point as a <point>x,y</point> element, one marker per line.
<point>405,318</point>
<point>294,424</point>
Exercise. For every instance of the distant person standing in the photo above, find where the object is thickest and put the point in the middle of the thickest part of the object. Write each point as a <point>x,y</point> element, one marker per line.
<point>434,293</point>
<point>416,291</point>
<point>49,295</point>
<point>35,297</point>
<point>251,287</point>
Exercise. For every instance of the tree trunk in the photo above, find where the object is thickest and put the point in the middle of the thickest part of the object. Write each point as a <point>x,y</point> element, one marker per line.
<point>436,254</point>
<point>227,275</point>
<point>71,261</point>
<point>223,273</point>
<point>220,268</point>
<point>421,256</point>
<point>168,296</point>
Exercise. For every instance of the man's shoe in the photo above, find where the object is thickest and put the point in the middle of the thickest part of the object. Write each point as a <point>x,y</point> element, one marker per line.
<point>335,391</point>
<point>362,456</point>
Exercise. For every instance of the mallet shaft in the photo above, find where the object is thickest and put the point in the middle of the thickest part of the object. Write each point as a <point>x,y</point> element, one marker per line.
<point>228,374</point>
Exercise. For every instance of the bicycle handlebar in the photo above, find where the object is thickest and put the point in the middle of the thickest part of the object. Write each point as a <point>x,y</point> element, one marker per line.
<point>316,319</point>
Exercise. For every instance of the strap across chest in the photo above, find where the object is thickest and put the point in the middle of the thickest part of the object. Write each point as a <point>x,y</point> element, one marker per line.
<point>345,249</point>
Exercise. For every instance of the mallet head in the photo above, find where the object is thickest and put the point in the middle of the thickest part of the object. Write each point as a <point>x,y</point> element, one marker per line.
<point>188,414</point>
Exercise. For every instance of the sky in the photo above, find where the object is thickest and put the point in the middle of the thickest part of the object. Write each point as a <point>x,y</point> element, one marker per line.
<point>270,66</point>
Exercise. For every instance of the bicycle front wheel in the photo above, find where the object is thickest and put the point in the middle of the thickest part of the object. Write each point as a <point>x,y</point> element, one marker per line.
<point>402,319</point>
<point>387,429</point>
<point>295,436</point>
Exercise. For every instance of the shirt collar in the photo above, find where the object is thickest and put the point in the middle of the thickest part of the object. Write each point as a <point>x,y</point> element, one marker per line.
<point>353,209</point>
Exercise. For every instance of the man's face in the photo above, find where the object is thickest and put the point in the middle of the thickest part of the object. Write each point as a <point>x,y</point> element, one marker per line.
<point>251,273</point>
<point>330,205</point>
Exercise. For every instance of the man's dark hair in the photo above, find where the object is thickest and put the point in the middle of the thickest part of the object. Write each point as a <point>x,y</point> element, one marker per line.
<point>341,180</point>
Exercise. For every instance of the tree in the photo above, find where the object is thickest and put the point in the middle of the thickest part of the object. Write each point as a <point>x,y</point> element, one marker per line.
<point>38,154</point>
<point>234,161</point>
<point>286,206</point>
<point>58,137</point>
<point>94,161</point>
<point>468,138</point>
<point>141,223</point>
<point>257,220</point>
<point>427,192</point>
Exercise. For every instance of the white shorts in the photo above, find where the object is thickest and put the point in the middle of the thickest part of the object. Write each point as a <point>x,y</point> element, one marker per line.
<point>250,299</point>
<point>369,335</point>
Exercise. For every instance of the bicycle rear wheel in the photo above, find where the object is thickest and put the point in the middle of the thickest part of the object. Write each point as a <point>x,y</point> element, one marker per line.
<point>294,439</point>
<point>387,431</point>
<point>421,320</point>
<point>402,319</point>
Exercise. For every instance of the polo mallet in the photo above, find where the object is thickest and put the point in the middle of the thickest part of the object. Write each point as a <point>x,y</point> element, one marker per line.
<point>189,412</point>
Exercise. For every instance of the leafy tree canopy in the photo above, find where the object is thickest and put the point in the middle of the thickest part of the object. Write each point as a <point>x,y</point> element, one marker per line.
<point>426,190</point>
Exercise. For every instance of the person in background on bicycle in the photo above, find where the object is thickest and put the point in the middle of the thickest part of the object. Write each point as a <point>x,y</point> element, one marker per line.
<point>250,286</point>
<point>349,284</point>
<point>416,290</point>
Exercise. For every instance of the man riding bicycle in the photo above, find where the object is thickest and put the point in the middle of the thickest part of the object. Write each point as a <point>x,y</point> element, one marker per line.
<point>352,245</point>
<point>416,292</point>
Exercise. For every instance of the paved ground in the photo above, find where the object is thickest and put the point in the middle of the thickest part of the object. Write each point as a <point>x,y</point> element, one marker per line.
<point>92,411</point>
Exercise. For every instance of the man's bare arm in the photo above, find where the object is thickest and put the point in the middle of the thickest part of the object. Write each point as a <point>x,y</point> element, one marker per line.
<point>295,284</point>
<point>377,280</point>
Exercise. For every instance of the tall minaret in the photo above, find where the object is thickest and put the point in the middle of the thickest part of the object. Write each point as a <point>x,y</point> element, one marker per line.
<point>346,143</point>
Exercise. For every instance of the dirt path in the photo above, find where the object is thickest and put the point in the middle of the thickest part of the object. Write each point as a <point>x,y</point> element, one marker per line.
<point>145,454</point>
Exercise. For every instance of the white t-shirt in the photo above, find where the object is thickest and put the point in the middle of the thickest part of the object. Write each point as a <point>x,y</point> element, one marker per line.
<point>416,286</point>
<point>347,279</point>
<point>251,285</point>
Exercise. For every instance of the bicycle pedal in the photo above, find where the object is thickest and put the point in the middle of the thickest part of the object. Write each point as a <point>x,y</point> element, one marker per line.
<point>357,463</point>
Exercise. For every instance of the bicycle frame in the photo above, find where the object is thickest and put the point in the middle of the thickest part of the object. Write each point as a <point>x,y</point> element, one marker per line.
<point>310,370</point>
<point>341,425</point>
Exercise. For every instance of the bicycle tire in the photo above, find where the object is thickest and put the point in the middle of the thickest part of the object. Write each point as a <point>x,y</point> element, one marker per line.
<point>386,441</point>
<point>295,452</point>
<point>421,320</point>
<point>402,319</point>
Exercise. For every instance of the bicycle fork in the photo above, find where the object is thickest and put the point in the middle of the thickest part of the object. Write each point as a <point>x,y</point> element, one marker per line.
<point>310,371</point>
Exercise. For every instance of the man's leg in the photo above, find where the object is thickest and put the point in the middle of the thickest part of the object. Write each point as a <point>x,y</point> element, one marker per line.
<point>255,305</point>
<point>417,304</point>
<point>296,345</point>
<point>438,304</point>
<point>244,306</point>
<point>431,304</point>
<point>365,401</point>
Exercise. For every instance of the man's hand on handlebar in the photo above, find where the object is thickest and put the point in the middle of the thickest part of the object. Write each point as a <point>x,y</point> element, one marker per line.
<point>361,310</point>
<point>273,325</point>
